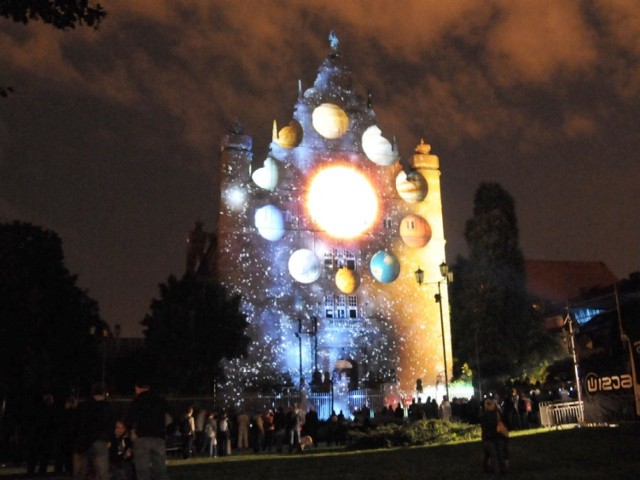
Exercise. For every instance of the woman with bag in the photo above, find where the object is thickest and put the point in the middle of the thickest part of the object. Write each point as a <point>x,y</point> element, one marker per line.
<point>494,435</point>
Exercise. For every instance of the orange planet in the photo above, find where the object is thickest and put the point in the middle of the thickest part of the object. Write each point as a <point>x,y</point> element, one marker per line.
<point>415,231</point>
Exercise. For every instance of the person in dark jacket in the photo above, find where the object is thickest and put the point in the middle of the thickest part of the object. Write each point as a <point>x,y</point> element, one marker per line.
<point>95,428</point>
<point>492,441</point>
<point>40,436</point>
<point>65,437</point>
<point>147,424</point>
<point>120,453</point>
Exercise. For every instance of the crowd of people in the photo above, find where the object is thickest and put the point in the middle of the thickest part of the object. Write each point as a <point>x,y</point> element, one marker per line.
<point>86,439</point>
<point>220,433</point>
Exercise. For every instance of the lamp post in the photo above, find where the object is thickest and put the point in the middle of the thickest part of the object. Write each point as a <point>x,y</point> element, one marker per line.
<point>444,272</point>
<point>299,335</point>
<point>311,333</point>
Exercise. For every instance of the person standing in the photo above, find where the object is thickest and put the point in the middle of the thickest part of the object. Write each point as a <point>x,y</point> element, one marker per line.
<point>269,430</point>
<point>65,436</point>
<point>210,432</point>
<point>297,421</point>
<point>40,436</point>
<point>120,453</point>
<point>147,422</point>
<point>243,430</point>
<point>188,430</point>
<point>493,442</point>
<point>444,410</point>
<point>91,447</point>
<point>257,429</point>
<point>311,423</point>
<point>224,434</point>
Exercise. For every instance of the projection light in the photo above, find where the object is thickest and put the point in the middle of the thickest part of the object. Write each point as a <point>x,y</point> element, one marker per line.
<point>342,202</point>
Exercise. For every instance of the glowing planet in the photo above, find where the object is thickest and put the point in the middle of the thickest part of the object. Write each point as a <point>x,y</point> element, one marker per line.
<point>415,231</point>
<point>412,188</point>
<point>266,177</point>
<point>290,136</point>
<point>384,266</point>
<point>341,201</point>
<point>304,266</point>
<point>236,198</point>
<point>330,121</point>
<point>346,281</point>
<point>269,222</point>
<point>377,148</point>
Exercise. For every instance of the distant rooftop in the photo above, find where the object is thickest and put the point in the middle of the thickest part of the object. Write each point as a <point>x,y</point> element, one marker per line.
<point>558,281</point>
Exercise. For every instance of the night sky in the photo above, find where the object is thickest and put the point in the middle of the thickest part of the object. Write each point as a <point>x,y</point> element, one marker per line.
<point>111,138</point>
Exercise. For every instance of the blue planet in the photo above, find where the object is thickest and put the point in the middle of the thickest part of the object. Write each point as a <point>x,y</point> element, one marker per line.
<point>270,222</point>
<point>385,266</point>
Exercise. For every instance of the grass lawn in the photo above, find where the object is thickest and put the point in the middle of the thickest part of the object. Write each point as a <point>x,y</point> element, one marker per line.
<point>571,453</point>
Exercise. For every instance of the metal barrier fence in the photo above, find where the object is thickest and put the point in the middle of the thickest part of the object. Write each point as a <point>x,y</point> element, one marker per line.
<point>565,413</point>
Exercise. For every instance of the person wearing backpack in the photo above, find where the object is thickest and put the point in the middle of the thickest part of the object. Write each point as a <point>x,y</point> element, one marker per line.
<point>210,432</point>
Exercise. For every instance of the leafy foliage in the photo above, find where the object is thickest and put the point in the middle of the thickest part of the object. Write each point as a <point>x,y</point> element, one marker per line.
<point>61,14</point>
<point>46,321</point>
<point>421,432</point>
<point>495,329</point>
<point>191,328</point>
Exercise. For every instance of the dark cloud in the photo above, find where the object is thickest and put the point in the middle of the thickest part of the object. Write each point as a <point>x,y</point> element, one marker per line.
<point>111,137</point>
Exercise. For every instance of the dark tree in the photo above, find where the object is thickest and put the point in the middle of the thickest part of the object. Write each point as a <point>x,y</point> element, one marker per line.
<point>191,328</point>
<point>48,324</point>
<point>494,326</point>
<point>61,14</point>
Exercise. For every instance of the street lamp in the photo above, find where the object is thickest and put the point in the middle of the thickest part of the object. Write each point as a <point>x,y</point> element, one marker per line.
<point>444,272</point>
<point>311,333</point>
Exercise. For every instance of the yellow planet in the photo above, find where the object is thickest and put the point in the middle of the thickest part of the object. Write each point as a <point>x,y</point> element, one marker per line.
<point>346,281</point>
<point>290,136</point>
<point>412,188</point>
<point>415,231</point>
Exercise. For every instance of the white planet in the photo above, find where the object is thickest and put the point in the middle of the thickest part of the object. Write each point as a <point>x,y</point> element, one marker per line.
<point>266,177</point>
<point>269,222</point>
<point>330,121</point>
<point>304,266</point>
<point>377,148</point>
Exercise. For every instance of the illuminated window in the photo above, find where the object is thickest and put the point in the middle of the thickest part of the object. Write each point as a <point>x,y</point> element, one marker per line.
<point>349,260</point>
<point>341,307</point>
<point>352,302</point>
<point>342,259</point>
<point>328,260</point>
<point>328,306</point>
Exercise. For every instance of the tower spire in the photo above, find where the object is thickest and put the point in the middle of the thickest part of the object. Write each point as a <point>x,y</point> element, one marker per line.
<point>334,42</point>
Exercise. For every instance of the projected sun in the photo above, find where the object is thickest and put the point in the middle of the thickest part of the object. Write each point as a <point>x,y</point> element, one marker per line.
<point>342,202</point>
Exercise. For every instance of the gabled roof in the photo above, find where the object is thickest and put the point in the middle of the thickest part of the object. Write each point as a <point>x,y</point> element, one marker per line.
<point>558,281</point>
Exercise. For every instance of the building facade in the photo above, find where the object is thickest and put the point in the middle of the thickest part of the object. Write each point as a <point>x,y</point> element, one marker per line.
<point>322,239</point>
